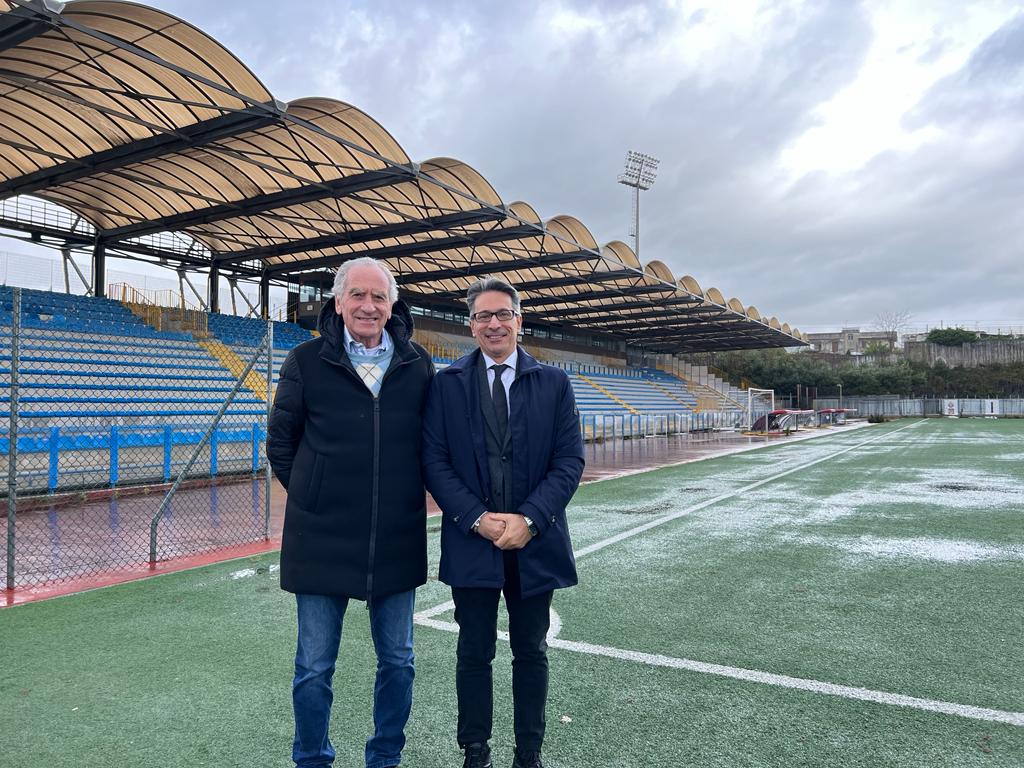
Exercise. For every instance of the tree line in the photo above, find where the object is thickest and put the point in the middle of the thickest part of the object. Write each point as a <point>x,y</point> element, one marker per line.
<point>786,372</point>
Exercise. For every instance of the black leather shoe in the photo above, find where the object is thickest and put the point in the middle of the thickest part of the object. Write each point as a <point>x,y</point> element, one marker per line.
<point>477,756</point>
<point>527,760</point>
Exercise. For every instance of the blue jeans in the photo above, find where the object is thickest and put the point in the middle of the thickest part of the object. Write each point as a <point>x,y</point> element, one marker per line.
<point>320,620</point>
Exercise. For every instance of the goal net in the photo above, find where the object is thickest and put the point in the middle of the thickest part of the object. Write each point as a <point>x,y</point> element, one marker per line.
<point>760,403</point>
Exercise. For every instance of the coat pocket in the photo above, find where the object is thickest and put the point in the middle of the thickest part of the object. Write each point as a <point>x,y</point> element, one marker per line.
<point>316,477</point>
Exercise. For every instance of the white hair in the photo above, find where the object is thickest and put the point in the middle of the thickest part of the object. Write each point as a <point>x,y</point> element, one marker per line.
<point>342,275</point>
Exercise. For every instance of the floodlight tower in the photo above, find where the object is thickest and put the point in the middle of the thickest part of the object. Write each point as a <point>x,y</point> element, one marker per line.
<point>640,172</point>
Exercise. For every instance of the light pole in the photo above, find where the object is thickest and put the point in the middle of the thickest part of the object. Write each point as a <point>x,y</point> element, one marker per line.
<point>840,396</point>
<point>640,173</point>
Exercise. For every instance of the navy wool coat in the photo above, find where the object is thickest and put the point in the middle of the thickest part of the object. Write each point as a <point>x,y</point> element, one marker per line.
<point>547,463</point>
<point>355,520</point>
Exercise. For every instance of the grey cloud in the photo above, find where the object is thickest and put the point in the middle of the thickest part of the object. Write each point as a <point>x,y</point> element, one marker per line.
<point>936,230</point>
<point>989,85</point>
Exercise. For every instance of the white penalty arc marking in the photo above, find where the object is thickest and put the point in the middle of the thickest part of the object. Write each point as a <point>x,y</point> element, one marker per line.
<point>768,678</point>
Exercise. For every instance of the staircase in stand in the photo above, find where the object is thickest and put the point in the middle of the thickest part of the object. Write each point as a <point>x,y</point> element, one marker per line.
<point>230,360</point>
<point>607,393</point>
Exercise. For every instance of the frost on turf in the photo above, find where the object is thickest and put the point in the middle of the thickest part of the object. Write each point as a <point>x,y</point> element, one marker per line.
<point>922,548</point>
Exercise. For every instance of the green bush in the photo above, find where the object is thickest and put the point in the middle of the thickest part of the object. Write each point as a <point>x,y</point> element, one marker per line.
<point>876,418</point>
<point>951,337</point>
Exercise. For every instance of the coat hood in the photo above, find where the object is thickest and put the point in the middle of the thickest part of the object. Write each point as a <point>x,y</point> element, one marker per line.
<point>330,325</point>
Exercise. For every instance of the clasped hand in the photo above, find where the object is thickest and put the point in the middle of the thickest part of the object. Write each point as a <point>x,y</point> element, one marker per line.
<point>507,531</point>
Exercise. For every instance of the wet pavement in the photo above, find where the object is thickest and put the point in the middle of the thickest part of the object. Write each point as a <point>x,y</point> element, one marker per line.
<point>75,542</point>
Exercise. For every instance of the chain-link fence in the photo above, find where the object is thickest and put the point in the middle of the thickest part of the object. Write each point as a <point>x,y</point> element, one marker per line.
<point>893,406</point>
<point>124,445</point>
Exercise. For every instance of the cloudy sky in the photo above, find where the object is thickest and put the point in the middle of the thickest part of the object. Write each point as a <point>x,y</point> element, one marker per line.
<point>824,161</point>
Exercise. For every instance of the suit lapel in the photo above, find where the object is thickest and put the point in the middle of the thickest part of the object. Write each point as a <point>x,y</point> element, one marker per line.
<point>471,390</point>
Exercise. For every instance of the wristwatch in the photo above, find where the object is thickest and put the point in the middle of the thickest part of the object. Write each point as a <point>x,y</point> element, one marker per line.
<point>530,526</point>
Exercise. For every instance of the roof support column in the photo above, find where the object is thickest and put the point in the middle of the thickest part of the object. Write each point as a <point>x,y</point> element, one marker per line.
<point>253,311</point>
<point>213,288</point>
<point>183,281</point>
<point>99,268</point>
<point>265,295</point>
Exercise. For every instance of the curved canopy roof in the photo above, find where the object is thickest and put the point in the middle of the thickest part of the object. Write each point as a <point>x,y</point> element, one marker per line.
<point>142,124</point>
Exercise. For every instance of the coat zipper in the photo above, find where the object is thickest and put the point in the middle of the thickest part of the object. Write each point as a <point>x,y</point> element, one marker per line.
<point>375,498</point>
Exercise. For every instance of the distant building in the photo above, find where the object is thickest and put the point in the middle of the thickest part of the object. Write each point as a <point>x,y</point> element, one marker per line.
<point>849,340</point>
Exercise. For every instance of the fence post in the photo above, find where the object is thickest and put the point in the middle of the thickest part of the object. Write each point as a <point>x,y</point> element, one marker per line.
<point>113,455</point>
<point>168,447</point>
<point>214,442</point>
<point>51,483</point>
<point>255,447</point>
<point>270,405</point>
<point>12,444</point>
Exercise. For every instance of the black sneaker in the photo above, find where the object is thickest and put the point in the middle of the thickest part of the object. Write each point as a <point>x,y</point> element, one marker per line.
<point>477,756</point>
<point>527,760</point>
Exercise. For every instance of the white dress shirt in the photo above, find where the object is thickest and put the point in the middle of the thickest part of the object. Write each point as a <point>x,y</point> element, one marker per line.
<point>507,376</point>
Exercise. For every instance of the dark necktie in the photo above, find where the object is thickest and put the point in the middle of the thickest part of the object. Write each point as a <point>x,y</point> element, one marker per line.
<point>500,401</point>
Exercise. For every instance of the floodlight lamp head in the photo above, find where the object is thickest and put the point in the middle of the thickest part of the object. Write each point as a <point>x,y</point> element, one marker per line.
<point>640,171</point>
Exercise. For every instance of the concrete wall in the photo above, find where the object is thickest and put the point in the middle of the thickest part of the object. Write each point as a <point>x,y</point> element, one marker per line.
<point>966,355</point>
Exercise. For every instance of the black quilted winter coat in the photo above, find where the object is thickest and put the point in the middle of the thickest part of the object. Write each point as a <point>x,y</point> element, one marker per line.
<point>355,520</point>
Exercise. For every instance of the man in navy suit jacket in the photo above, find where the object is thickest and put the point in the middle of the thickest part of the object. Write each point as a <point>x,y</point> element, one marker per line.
<point>502,456</point>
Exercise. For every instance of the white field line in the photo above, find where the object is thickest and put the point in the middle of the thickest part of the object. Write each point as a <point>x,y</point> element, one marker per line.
<point>730,494</point>
<point>768,678</point>
<point>809,435</point>
<point>425,618</point>
<point>429,613</point>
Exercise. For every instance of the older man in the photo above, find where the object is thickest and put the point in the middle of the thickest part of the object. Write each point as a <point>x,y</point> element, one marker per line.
<point>344,441</point>
<point>502,456</point>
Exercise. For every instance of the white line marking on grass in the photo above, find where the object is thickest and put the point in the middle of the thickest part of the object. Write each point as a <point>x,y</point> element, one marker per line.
<point>425,618</point>
<point>555,626</point>
<point>769,678</point>
<point>429,613</point>
<point>797,683</point>
<point>795,438</point>
<point>710,502</point>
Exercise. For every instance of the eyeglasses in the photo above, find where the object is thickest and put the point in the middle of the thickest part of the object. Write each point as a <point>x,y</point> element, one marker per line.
<point>485,317</point>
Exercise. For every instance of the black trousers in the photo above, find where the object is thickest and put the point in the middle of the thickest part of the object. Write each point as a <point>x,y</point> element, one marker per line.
<point>476,612</point>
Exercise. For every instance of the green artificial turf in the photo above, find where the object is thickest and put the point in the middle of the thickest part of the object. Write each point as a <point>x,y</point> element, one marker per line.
<point>895,566</point>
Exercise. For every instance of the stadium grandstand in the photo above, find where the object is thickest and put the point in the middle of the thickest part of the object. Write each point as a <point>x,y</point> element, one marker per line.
<point>128,133</point>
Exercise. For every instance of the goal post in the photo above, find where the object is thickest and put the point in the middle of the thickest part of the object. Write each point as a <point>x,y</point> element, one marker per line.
<point>760,402</point>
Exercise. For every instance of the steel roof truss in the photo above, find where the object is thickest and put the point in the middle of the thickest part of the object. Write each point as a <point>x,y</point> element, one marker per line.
<point>413,226</point>
<point>20,24</point>
<point>259,204</point>
<point>137,152</point>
